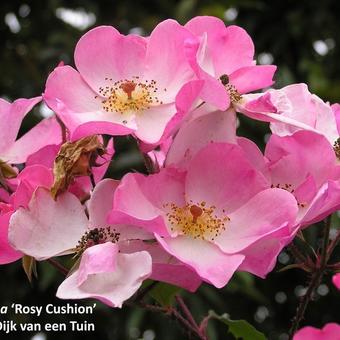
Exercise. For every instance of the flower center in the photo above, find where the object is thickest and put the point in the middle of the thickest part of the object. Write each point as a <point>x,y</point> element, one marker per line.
<point>288,187</point>
<point>235,96</point>
<point>196,220</point>
<point>336,148</point>
<point>129,96</point>
<point>96,236</point>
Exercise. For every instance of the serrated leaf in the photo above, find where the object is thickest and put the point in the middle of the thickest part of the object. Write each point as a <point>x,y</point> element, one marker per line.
<point>239,328</point>
<point>164,293</point>
<point>30,267</point>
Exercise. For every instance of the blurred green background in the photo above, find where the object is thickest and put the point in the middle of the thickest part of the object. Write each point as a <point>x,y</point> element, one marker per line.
<point>301,37</point>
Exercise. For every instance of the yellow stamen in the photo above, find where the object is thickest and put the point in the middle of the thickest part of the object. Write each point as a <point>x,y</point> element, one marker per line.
<point>129,95</point>
<point>196,220</point>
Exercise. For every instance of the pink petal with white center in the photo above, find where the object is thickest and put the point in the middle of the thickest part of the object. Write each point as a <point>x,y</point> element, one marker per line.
<point>7,253</point>
<point>330,331</point>
<point>81,111</point>
<point>336,280</point>
<point>260,257</point>
<point>11,116</point>
<point>266,212</point>
<point>209,127</point>
<point>111,281</point>
<point>103,53</point>
<point>30,179</point>
<point>213,178</point>
<point>172,70</point>
<point>251,78</point>
<point>46,132</point>
<point>152,122</point>
<point>211,264</point>
<point>48,228</point>
<point>230,47</point>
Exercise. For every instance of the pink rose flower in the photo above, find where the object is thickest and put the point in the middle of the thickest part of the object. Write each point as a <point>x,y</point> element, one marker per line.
<point>214,216</point>
<point>122,85</point>
<point>331,331</point>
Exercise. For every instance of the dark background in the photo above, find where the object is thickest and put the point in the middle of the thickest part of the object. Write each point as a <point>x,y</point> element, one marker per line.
<point>298,36</point>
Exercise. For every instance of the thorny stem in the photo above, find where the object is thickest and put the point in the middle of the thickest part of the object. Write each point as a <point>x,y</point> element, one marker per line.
<point>58,266</point>
<point>314,282</point>
<point>186,310</point>
<point>173,312</point>
<point>296,253</point>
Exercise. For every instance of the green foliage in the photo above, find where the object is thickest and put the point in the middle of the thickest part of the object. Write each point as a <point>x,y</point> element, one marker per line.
<point>164,293</point>
<point>240,329</point>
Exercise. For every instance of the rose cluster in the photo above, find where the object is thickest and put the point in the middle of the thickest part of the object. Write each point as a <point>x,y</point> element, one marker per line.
<point>212,203</point>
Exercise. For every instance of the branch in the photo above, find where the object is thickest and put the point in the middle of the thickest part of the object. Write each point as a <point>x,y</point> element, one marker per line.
<point>58,266</point>
<point>314,282</point>
<point>188,323</point>
<point>186,310</point>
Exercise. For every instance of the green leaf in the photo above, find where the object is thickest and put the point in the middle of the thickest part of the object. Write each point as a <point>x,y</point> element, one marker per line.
<point>30,267</point>
<point>164,293</point>
<point>239,328</point>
